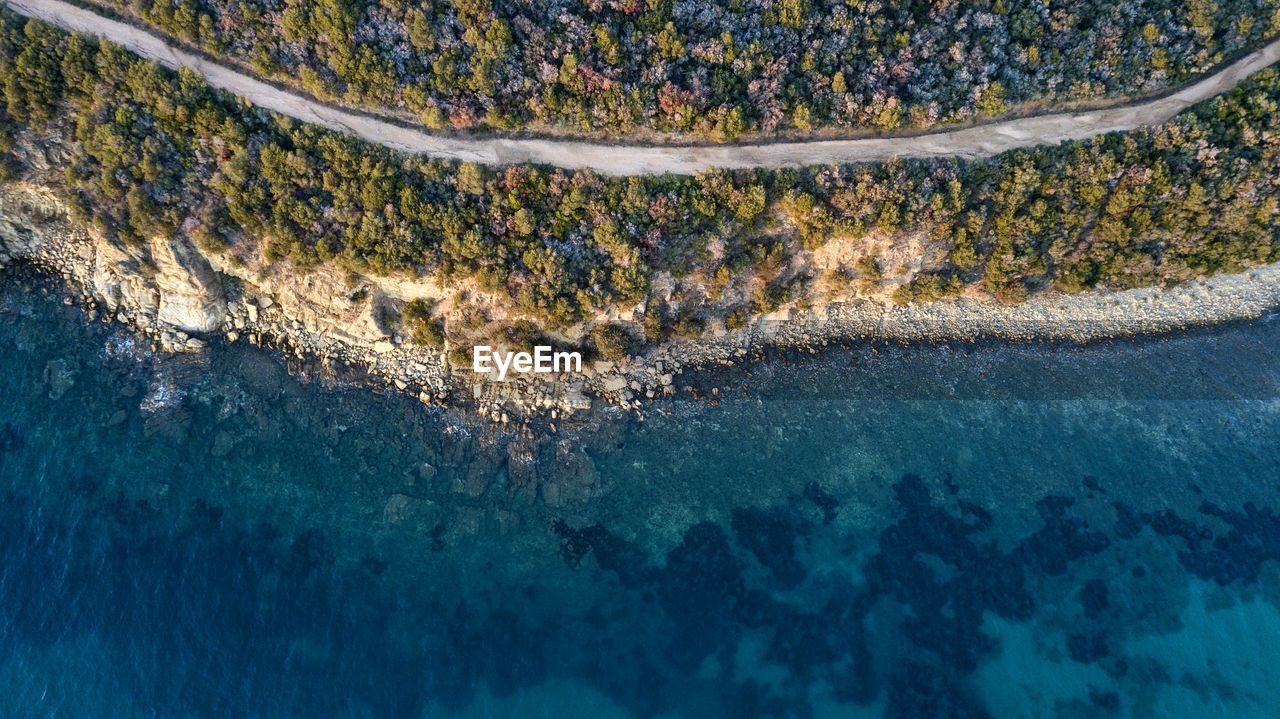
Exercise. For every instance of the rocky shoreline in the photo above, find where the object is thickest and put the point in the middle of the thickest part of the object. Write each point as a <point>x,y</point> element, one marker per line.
<point>182,299</point>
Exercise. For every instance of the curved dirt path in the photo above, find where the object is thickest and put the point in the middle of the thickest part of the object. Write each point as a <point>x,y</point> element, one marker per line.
<point>978,141</point>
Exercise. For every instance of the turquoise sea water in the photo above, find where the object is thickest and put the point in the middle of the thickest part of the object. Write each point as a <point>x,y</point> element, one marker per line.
<point>963,530</point>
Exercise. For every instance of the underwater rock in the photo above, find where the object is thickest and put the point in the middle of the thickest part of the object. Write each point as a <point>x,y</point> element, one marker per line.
<point>60,377</point>
<point>571,475</point>
<point>223,442</point>
<point>481,473</point>
<point>397,508</point>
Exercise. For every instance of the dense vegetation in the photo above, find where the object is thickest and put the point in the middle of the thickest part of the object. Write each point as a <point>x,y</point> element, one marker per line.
<point>160,152</point>
<point>716,70</point>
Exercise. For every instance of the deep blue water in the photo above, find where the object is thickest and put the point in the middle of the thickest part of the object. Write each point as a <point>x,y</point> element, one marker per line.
<point>961,530</point>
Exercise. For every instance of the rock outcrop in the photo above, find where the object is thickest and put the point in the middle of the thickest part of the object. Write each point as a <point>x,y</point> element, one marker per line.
<point>167,279</point>
<point>169,289</point>
<point>23,214</point>
<point>320,299</point>
<point>191,294</point>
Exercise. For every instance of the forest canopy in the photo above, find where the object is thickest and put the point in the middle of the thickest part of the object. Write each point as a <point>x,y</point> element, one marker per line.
<point>159,152</point>
<point>716,70</point>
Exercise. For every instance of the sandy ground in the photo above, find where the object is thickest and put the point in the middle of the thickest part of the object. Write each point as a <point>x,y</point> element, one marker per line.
<point>619,159</point>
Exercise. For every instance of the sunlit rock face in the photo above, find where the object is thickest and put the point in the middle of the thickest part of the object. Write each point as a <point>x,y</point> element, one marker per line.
<point>191,296</point>
<point>168,279</point>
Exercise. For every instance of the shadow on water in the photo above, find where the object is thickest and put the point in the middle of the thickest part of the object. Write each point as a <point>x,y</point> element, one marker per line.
<point>965,530</point>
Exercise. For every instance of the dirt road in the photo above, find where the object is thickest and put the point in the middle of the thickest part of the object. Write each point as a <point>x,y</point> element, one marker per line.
<point>621,159</point>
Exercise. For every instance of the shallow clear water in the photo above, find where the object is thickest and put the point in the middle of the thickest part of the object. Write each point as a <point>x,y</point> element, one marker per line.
<point>880,531</point>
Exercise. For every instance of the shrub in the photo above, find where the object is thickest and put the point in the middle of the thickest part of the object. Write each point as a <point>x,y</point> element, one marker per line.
<point>611,341</point>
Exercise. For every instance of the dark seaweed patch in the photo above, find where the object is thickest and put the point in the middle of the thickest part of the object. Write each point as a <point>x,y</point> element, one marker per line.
<point>771,537</point>
<point>920,690</point>
<point>1063,539</point>
<point>11,438</point>
<point>824,501</point>
<point>612,553</point>
<point>1107,700</point>
<point>1094,598</point>
<point>1087,648</point>
<point>1252,538</point>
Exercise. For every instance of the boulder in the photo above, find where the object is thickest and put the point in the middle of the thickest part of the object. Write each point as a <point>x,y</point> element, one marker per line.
<point>402,509</point>
<point>59,376</point>
<point>16,240</point>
